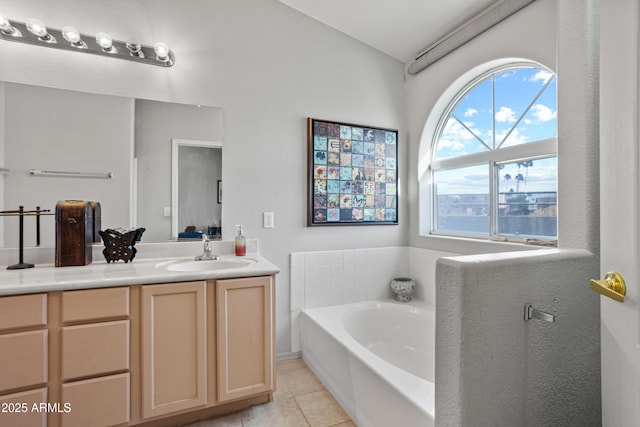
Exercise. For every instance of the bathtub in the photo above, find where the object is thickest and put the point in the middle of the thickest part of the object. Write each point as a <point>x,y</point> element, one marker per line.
<point>376,358</point>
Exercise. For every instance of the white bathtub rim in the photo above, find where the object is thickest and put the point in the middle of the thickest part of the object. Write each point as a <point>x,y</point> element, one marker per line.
<point>407,384</point>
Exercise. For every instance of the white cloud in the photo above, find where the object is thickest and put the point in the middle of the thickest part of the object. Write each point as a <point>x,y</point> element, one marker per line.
<point>455,137</point>
<point>470,112</point>
<point>543,113</point>
<point>541,76</point>
<point>514,138</point>
<point>505,114</point>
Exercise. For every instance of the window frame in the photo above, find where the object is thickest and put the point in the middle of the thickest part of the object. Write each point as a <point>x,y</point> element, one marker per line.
<point>546,148</point>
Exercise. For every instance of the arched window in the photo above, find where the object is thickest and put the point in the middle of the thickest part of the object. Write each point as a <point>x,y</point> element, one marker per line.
<point>494,157</point>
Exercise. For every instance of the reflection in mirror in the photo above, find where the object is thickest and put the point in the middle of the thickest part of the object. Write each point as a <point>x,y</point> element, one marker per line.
<point>196,170</point>
<point>157,124</point>
<point>64,130</point>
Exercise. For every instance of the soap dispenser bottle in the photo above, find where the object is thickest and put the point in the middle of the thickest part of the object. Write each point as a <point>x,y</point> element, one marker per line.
<point>241,242</point>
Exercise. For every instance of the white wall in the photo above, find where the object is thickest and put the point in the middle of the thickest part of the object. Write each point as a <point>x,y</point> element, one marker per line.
<point>268,67</point>
<point>559,35</point>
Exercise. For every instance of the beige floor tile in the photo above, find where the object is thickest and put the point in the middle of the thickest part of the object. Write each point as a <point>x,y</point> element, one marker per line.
<point>282,390</point>
<point>300,381</point>
<point>287,365</point>
<point>321,409</point>
<point>281,413</point>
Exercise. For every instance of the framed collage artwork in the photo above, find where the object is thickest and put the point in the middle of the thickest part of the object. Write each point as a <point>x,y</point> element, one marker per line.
<point>353,174</point>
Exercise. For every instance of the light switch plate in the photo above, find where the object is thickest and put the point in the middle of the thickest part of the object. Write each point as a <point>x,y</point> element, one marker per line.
<point>166,211</point>
<point>267,220</point>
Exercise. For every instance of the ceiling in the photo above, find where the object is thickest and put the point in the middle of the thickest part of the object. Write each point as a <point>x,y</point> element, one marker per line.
<point>399,28</point>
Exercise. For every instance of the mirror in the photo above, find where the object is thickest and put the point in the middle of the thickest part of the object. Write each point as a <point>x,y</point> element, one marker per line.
<point>196,189</point>
<point>64,130</point>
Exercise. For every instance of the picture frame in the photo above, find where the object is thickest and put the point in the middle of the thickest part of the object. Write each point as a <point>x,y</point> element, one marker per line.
<point>352,174</point>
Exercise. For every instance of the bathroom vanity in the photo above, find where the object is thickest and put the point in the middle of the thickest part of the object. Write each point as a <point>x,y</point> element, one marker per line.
<point>154,342</point>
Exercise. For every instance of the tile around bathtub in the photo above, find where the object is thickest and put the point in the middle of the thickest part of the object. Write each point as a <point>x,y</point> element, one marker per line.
<point>297,259</point>
<point>324,258</point>
<point>297,303</point>
<point>348,256</point>
<point>311,301</point>
<point>310,259</point>
<point>297,273</point>
<point>311,272</point>
<point>297,288</point>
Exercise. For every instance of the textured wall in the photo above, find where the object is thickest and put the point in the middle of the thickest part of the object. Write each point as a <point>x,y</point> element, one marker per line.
<point>495,369</point>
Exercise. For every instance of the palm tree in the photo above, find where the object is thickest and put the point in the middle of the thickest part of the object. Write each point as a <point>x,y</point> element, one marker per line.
<point>507,177</point>
<point>519,179</point>
<point>526,164</point>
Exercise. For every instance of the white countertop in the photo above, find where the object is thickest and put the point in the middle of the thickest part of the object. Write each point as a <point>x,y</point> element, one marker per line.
<point>47,278</point>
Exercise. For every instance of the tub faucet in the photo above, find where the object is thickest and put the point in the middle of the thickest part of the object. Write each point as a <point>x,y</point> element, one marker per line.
<point>207,253</point>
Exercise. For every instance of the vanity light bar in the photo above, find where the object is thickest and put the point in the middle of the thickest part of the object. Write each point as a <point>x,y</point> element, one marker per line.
<point>35,33</point>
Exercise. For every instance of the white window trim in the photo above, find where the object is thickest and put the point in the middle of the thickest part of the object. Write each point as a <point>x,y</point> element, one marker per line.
<point>531,150</point>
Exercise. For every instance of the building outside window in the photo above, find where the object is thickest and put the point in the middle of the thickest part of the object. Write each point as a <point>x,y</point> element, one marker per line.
<point>494,158</point>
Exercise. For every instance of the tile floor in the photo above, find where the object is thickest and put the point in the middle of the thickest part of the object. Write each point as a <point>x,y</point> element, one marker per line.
<point>301,400</point>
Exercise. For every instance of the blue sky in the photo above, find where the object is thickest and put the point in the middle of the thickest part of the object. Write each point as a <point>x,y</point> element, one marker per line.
<point>523,111</point>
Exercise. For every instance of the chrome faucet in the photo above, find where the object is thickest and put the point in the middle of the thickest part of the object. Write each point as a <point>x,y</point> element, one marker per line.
<point>207,253</point>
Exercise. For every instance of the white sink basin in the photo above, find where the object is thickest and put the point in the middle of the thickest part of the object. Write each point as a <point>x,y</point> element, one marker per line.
<point>207,265</point>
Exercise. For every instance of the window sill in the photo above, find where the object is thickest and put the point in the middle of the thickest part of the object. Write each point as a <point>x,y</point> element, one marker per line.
<point>470,246</point>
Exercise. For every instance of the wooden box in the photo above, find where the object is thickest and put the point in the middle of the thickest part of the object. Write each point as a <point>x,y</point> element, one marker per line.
<point>96,211</point>
<point>74,233</point>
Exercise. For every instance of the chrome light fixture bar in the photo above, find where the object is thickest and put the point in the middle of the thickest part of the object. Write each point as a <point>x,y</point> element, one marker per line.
<point>34,32</point>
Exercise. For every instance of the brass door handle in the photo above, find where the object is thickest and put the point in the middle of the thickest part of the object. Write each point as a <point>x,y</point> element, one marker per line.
<point>611,286</point>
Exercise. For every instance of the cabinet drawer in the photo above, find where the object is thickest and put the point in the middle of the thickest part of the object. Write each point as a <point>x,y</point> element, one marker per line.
<point>95,349</point>
<point>23,311</point>
<point>23,409</point>
<point>97,402</point>
<point>95,304</point>
<point>23,359</point>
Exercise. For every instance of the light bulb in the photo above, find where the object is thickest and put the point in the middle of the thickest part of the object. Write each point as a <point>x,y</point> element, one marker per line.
<point>161,50</point>
<point>105,41</point>
<point>5,25</point>
<point>135,48</point>
<point>71,35</point>
<point>37,28</point>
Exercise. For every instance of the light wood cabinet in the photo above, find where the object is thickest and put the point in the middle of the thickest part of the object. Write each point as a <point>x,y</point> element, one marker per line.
<point>94,358</point>
<point>97,402</point>
<point>95,349</point>
<point>161,353</point>
<point>24,360</point>
<point>245,337</point>
<point>174,352</point>
<point>23,409</point>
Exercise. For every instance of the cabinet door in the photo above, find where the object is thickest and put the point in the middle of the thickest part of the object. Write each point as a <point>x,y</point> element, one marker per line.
<point>173,347</point>
<point>245,337</point>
